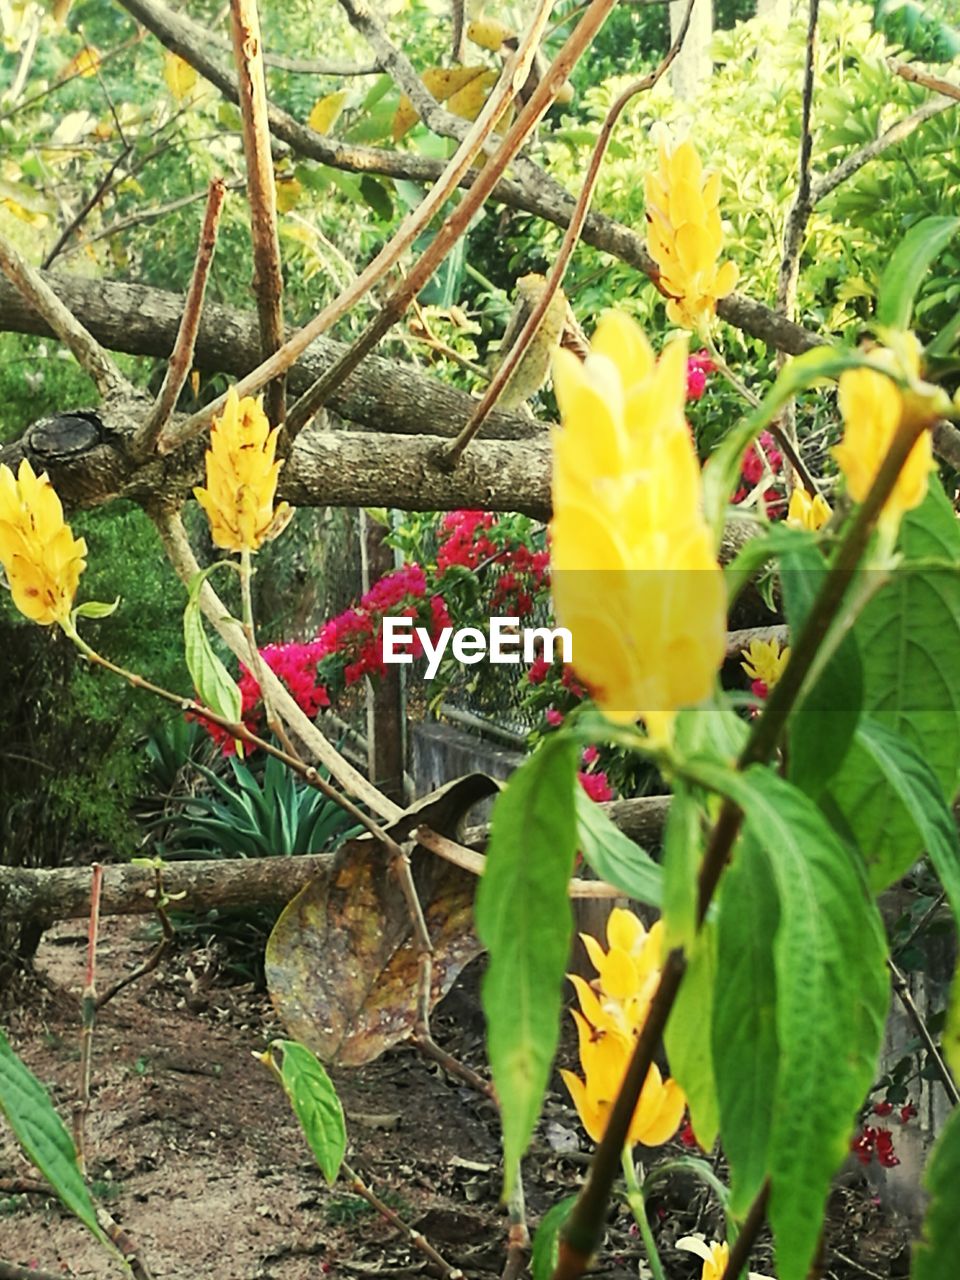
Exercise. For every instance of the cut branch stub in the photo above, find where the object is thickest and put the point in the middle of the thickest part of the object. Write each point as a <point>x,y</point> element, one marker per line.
<point>342,964</point>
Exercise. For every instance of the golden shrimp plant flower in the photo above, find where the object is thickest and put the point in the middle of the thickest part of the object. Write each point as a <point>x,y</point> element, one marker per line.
<point>634,574</point>
<point>875,408</point>
<point>808,513</point>
<point>765,660</point>
<point>40,556</point>
<point>241,476</point>
<point>613,1009</point>
<point>684,234</point>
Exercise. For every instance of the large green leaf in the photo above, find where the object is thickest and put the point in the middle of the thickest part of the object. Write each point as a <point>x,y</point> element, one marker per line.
<point>744,1039</point>
<point>41,1134</point>
<point>936,1255</point>
<point>831,1000</point>
<point>687,1037</point>
<point>215,686</point>
<point>614,856</point>
<point>523,917</point>
<point>903,274</point>
<point>909,643</point>
<point>823,719</point>
<point>682,853</point>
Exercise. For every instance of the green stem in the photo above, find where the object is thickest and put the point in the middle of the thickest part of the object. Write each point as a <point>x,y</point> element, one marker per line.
<point>639,1210</point>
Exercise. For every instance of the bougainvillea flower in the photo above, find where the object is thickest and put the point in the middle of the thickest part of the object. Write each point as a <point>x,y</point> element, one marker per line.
<point>613,1009</point>
<point>765,660</point>
<point>874,409</point>
<point>634,574</point>
<point>805,512</point>
<point>684,235</point>
<point>40,556</point>
<point>241,476</point>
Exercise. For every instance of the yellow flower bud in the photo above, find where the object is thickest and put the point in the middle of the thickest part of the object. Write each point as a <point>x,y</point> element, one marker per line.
<point>874,409</point>
<point>40,556</point>
<point>634,573</point>
<point>241,476</point>
<point>488,33</point>
<point>684,235</point>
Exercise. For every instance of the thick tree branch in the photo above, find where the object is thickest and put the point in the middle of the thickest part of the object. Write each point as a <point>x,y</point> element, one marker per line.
<point>32,286</point>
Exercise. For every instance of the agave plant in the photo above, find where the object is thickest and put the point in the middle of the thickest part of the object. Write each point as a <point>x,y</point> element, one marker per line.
<point>243,817</point>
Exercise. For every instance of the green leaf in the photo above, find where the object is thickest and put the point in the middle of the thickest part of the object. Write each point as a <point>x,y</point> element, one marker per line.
<point>215,686</point>
<point>744,1038</point>
<point>909,643</point>
<point>614,856</point>
<point>523,917</point>
<point>908,263</point>
<point>825,715</point>
<point>41,1134</point>
<point>315,1104</point>
<point>935,1255</point>
<point>832,993</point>
<point>687,1036</point>
<point>377,197</point>
<point>96,609</point>
<point>546,1243</point>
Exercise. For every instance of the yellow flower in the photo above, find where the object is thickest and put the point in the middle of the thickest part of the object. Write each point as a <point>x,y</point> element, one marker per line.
<point>805,512</point>
<point>40,556</point>
<point>715,1256</point>
<point>874,409</point>
<point>765,660</point>
<point>613,1009</point>
<point>635,578</point>
<point>684,235</point>
<point>241,476</point>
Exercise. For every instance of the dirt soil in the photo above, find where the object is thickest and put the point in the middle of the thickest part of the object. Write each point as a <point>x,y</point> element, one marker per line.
<point>192,1146</point>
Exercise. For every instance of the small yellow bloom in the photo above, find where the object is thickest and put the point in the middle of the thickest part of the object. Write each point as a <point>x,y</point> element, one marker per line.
<point>765,660</point>
<point>241,475</point>
<point>805,512</point>
<point>715,1256</point>
<point>684,235</point>
<point>613,1009</point>
<point>874,409</point>
<point>40,556</point>
<point>634,574</point>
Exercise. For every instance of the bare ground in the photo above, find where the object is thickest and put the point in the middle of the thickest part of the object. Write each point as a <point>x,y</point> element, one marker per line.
<point>192,1147</point>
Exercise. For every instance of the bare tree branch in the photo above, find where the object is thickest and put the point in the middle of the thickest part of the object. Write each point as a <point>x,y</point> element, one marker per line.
<point>181,358</point>
<point>916,75</point>
<point>262,192</point>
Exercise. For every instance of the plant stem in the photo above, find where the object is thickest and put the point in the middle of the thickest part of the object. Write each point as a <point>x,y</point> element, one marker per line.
<point>638,1208</point>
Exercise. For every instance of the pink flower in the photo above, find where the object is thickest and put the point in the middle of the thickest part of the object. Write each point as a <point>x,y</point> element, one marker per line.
<point>590,756</point>
<point>554,717</point>
<point>596,786</point>
<point>538,670</point>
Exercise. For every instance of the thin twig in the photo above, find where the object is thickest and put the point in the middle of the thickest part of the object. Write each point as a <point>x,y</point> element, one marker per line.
<point>896,133</point>
<point>148,436</point>
<point>155,955</point>
<point>262,192</point>
<point>747,1236</point>
<point>907,71</point>
<point>418,1241</point>
<point>89,354</point>
<point>923,1031</point>
<point>794,235</point>
<point>452,455</point>
<point>454,227</point>
<point>88,1006</point>
<point>10,1271</point>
